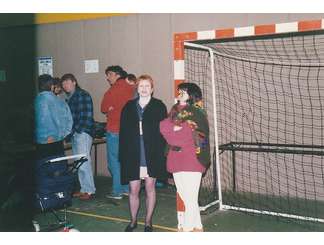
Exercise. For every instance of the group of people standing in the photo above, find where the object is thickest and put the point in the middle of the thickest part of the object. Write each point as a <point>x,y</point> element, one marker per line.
<point>72,120</point>
<point>138,131</point>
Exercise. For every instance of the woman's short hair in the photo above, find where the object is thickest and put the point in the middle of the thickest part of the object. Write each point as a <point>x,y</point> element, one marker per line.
<point>193,91</point>
<point>146,77</point>
<point>45,82</point>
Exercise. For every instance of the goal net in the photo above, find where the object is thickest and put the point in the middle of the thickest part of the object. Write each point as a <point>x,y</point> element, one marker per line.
<point>269,126</point>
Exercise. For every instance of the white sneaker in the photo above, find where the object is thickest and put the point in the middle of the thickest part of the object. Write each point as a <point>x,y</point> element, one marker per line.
<point>114,196</point>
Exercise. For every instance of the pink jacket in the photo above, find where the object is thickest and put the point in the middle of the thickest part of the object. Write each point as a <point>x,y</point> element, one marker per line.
<point>184,160</point>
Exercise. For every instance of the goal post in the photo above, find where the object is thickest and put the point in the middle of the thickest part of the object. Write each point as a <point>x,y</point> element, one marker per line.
<point>215,147</point>
<point>264,97</point>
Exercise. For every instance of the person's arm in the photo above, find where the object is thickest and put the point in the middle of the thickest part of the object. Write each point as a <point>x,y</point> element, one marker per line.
<point>44,127</point>
<point>202,122</point>
<point>62,118</point>
<point>178,137</point>
<point>163,112</point>
<point>104,102</point>
<point>69,118</point>
<point>107,102</point>
<point>123,133</point>
<point>67,123</point>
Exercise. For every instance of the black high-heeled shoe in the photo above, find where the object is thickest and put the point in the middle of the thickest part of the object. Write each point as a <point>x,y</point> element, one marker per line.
<point>131,227</point>
<point>148,228</point>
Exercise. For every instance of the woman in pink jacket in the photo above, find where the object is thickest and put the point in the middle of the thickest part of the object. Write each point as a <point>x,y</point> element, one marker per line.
<point>187,134</point>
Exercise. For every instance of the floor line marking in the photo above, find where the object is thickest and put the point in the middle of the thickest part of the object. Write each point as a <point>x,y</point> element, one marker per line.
<point>119,219</point>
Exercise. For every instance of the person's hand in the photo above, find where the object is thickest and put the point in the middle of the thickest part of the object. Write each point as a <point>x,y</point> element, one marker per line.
<point>176,128</point>
<point>50,140</point>
<point>68,138</point>
<point>110,108</point>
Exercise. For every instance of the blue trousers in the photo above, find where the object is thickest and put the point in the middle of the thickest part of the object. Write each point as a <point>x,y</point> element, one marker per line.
<point>114,164</point>
<point>81,144</point>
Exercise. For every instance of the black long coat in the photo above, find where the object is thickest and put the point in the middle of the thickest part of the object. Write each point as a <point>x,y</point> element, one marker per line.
<point>154,143</point>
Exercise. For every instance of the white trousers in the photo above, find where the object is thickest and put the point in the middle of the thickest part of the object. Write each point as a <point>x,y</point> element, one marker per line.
<point>188,184</point>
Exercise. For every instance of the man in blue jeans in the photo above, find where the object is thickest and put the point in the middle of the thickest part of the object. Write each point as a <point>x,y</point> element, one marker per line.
<point>115,98</point>
<point>81,106</point>
<point>112,145</point>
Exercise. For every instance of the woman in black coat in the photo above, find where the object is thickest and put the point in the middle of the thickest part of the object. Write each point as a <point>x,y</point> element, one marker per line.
<point>141,148</point>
